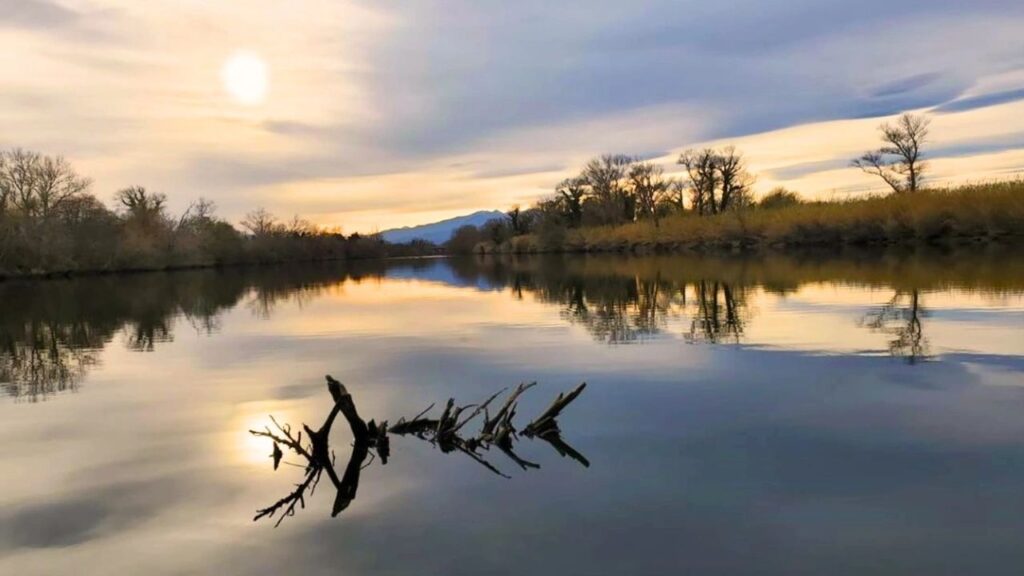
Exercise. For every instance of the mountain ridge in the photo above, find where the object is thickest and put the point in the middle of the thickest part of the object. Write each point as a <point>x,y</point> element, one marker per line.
<point>440,231</point>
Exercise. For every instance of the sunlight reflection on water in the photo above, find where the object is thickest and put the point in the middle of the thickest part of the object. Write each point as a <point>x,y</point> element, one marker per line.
<point>769,414</point>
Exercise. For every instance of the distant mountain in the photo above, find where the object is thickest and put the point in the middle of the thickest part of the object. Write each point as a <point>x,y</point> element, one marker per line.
<point>439,232</point>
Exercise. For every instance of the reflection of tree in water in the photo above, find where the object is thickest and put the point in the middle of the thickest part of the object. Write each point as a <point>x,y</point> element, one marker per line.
<point>447,432</point>
<point>617,310</point>
<point>616,301</point>
<point>36,361</point>
<point>52,332</point>
<point>719,311</point>
<point>629,309</point>
<point>900,319</point>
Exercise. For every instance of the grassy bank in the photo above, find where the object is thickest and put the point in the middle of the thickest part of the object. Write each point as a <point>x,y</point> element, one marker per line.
<point>970,214</point>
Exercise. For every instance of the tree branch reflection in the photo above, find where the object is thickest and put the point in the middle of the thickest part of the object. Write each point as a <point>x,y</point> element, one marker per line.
<point>446,432</point>
<point>900,319</point>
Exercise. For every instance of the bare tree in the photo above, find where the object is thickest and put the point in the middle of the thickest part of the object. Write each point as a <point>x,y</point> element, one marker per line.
<point>649,187</point>
<point>6,188</point>
<point>899,161</point>
<point>200,211</point>
<point>299,227</point>
<point>703,176</point>
<point>572,192</point>
<point>733,179</point>
<point>718,180</point>
<point>515,220</point>
<point>676,195</point>
<point>139,202</point>
<point>37,185</point>
<point>260,222</point>
<point>605,176</point>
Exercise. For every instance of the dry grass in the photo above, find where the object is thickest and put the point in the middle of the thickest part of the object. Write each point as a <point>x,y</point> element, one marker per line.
<point>972,213</point>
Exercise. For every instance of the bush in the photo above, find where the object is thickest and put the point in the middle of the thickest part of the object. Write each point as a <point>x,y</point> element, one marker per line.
<point>779,198</point>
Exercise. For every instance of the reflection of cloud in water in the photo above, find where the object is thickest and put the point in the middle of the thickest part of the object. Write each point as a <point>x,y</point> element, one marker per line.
<point>52,333</point>
<point>705,458</point>
<point>88,515</point>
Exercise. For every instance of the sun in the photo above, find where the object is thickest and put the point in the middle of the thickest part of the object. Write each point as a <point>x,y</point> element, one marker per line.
<point>244,75</point>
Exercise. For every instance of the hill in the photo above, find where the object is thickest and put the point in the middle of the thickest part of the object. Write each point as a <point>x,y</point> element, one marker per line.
<point>439,232</point>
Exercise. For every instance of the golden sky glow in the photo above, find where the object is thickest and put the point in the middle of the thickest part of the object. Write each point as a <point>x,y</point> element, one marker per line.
<point>370,116</point>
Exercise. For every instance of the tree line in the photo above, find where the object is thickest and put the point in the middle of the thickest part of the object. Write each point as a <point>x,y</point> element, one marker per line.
<point>616,189</point>
<point>50,222</point>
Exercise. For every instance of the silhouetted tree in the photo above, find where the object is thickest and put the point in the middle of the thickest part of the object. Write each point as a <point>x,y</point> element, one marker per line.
<point>36,185</point>
<point>899,161</point>
<point>515,220</point>
<point>718,180</point>
<point>496,230</point>
<point>605,178</point>
<point>702,173</point>
<point>464,239</point>
<point>676,195</point>
<point>572,191</point>
<point>260,222</point>
<point>649,187</point>
<point>733,179</point>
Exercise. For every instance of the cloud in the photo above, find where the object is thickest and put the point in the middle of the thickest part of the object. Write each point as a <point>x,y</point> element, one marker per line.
<point>35,14</point>
<point>981,101</point>
<point>518,94</point>
<point>905,85</point>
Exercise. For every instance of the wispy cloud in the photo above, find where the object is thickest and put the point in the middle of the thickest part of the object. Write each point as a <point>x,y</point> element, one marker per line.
<point>397,111</point>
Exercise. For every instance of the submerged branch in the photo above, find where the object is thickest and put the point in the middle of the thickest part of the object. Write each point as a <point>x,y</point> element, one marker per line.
<point>372,438</point>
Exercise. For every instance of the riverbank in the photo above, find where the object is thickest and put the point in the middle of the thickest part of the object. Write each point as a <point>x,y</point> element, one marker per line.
<point>966,215</point>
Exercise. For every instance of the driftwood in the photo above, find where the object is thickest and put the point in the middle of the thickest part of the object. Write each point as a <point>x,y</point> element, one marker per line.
<point>372,438</point>
<point>317,454</point>
<point>546,421</point>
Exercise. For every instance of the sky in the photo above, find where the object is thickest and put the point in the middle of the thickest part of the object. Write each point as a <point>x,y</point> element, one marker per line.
<point>385,113</point>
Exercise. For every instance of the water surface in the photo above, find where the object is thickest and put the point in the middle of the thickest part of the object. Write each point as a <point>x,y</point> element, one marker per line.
<point>771,415</point>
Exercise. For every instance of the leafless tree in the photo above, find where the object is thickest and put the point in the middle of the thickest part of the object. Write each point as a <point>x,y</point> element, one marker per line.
<point>200,211</point>
<point>718,180</point>
<point>733,179</point>
<point>572,191</point>
<point>898,162</point>
<point>605,177</point>
<point>137,201</point>
<point>676,195</point>
<point>37,185</point>
<point>300,227</point>
<point>702,173</point>
<point>260,222</point>
<point>515,220</point>
<point>649,187</point>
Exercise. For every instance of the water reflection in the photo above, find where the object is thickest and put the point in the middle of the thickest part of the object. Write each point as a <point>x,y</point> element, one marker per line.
<point>445,432</point>
<point>900,319</point>
<point>52,333</point>
<point>805,448</point>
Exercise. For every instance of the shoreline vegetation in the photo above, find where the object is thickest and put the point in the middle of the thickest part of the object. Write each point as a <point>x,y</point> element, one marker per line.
<point>619,203</point>
<point>974,214</point>
<point>51,225</point>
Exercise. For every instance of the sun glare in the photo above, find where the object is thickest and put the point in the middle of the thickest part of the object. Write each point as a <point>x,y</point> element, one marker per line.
<point>245,77</point>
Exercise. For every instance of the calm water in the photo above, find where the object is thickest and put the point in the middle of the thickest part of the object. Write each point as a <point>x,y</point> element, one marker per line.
<point>769,416</point>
